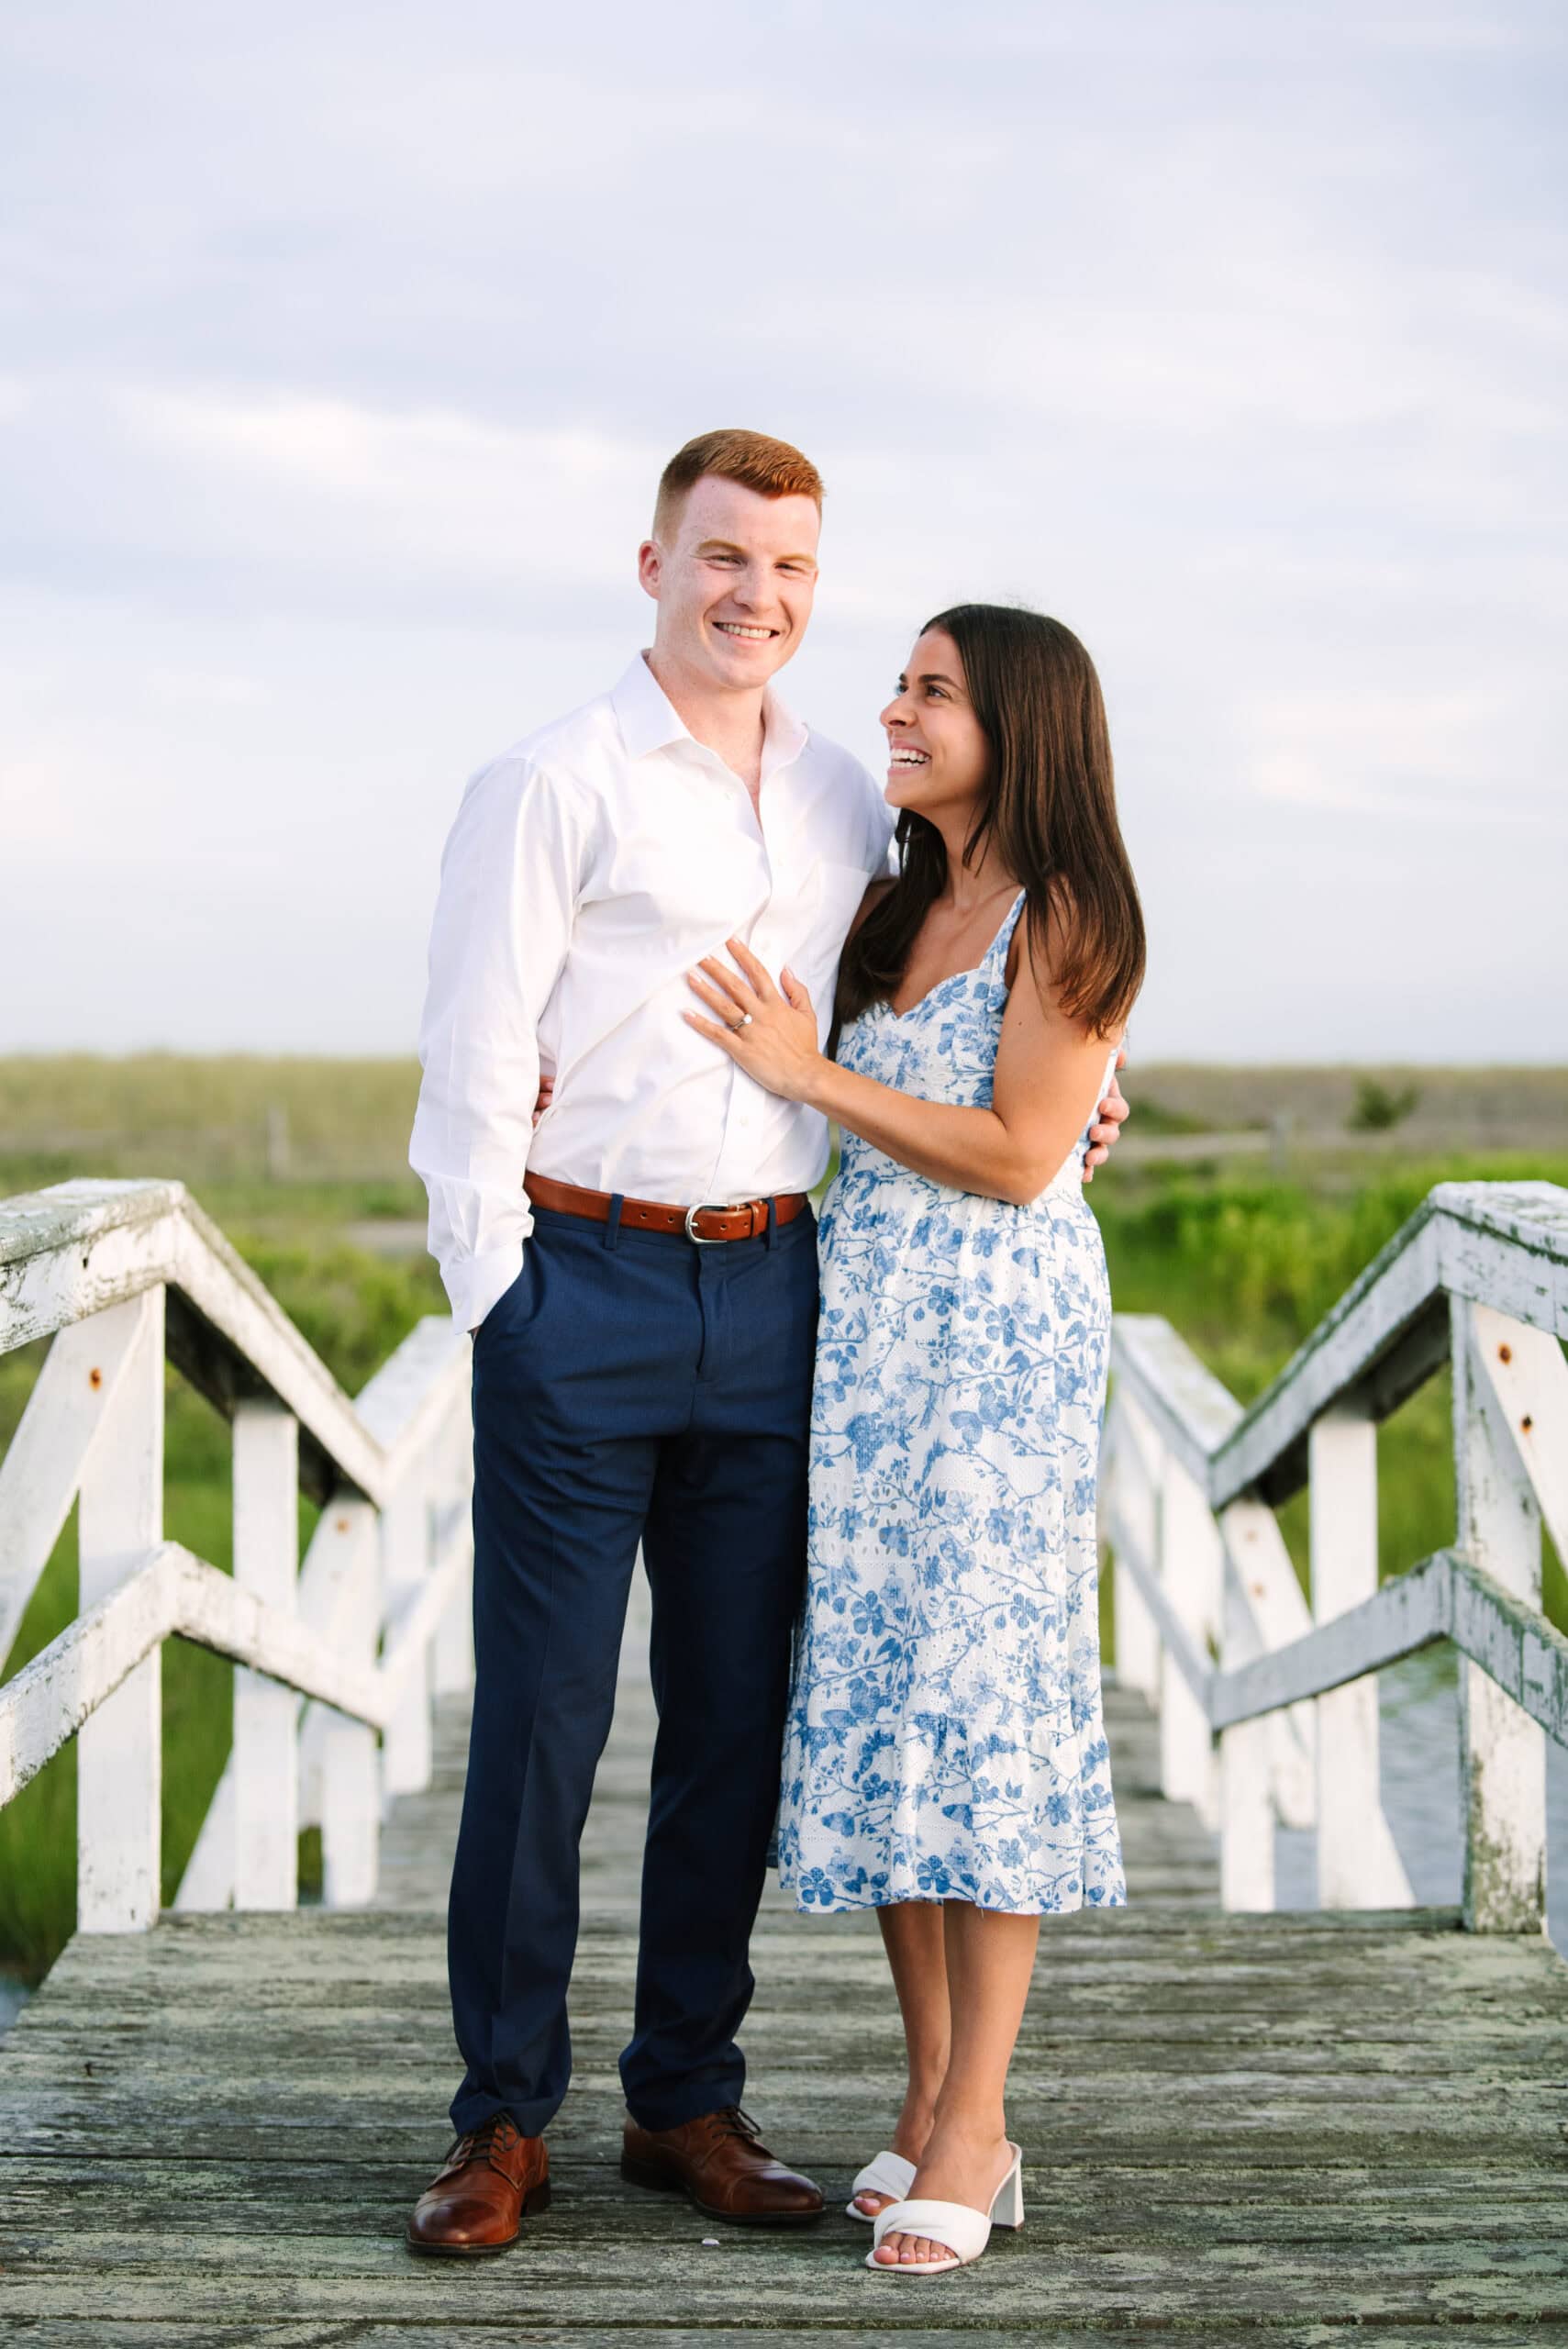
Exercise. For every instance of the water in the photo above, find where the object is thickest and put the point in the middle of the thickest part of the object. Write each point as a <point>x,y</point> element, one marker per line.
<point>14,1996</point>
<point>1418,1729</point>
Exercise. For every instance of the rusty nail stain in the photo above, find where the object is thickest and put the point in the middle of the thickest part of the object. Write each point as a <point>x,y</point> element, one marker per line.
<point>1526,1423</point>
<point>94,1377</point>
<point>1505,1353</point>
<point>342,1525</point>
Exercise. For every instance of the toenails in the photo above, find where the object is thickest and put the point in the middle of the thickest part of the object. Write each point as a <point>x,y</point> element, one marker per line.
<point>911,2251</point>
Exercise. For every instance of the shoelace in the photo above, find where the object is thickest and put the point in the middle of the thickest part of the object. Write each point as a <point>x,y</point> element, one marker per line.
<point>734,2123</point>
<point>499,2133</point>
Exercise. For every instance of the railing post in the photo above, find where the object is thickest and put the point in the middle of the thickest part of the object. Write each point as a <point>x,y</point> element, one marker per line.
<point>404,1563</point>
<point>1505,1751</point>
<point>1261,1590</point>
<point>350,1778</point>
<point>454,1633</point>
<point>1135,1463</point>
<point>120,1749</point>
<point>1358,1867</point>
<point>1246,1775</point>
<point>266,1563</point>
<point>1189,1574</point>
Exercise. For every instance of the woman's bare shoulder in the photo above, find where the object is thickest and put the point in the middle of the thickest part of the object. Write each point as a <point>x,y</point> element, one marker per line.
<point>1038,946</point>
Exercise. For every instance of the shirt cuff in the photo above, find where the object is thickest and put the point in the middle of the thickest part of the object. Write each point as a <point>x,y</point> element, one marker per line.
<point>476,1282</point>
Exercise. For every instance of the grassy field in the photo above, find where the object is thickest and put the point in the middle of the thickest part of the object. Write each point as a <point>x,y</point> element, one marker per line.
<point>300,1162</point>
<point>1449,1110</point>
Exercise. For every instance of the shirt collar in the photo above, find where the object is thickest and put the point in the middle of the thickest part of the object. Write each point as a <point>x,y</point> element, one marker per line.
<point>649,723</point>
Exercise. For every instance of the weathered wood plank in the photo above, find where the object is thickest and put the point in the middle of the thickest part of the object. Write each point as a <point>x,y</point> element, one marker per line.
<point>78,1249</point>
<point>1499,1530</point>
<point>119,1754</point>
<point>592,2206</point>
<point>1241,2076</point>
<point>72,1396</point>
<point>170,1594</point>
<point>264,1851</point>
<point>1358,1863</point>
<point>1117,2209</point>
<point>1236,2127</point>
<point>1129,1488</point>
<point>1381,1315</point>
<point>1137,2043</point>
<point>336,1598</point>
<point>1185,1603</point>
<point>752,2277</point>
<point>1446,1596</point>
<point>1188,1411</point>
<point>1503,1245</point>
<point>1498,2128</point>
<point>1040,2329</point>
<point>1260,1575</point>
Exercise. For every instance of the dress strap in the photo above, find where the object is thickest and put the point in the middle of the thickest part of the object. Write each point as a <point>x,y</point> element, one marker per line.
<point>995,962</point>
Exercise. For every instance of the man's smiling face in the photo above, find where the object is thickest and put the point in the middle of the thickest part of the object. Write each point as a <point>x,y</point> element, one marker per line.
<point>733,584</point>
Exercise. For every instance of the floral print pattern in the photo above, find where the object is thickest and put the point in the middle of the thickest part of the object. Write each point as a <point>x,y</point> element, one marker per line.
<point>945,1737</point>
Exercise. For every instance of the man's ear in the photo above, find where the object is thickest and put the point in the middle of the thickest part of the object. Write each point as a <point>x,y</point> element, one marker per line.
<point>649,567</point>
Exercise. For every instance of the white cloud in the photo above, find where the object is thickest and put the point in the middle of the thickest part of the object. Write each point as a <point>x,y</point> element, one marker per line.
<point>346,352</point>
<point>336,444</point>
<point>422,483</point>
<point>183,688</point>
<point>1300,35</point>
<point>1427,758</point>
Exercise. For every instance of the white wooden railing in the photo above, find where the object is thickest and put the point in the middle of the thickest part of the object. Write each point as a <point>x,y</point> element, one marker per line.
<point>339,1655</point>
<point>1268,1706</point>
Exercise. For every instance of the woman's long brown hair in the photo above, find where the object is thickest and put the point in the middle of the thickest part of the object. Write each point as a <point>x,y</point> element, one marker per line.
<point>1047,810</point>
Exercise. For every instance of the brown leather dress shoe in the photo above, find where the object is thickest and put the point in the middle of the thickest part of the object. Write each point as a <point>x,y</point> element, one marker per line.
<point>476,2202</point>
<point>719,2163</point>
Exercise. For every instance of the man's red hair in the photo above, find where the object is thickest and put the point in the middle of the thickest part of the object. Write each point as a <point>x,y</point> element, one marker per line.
<point>771,468</point>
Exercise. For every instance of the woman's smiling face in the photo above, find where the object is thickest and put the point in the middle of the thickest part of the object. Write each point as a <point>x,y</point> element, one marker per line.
<point>937,753</point>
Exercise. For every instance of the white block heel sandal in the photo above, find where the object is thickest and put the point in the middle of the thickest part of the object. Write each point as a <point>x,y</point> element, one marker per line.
<point>965,2231</point>
<point>888,2174</point>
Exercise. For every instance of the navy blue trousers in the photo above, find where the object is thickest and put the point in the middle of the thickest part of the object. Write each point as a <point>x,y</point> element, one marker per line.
<point>628,1387</point>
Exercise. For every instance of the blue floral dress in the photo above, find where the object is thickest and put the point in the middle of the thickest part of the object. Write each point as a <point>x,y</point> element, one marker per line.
<point>945,1738</point>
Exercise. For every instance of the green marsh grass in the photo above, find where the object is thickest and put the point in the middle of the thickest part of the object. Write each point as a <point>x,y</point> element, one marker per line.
<point>1242,1263</point>
<point>354,1307</point>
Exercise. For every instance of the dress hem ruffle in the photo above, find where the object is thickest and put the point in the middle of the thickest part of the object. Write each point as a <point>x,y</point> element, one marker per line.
<point>842,1904</point>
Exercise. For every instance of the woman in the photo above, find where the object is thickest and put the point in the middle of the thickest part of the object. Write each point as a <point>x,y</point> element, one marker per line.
<point>945,1758</point>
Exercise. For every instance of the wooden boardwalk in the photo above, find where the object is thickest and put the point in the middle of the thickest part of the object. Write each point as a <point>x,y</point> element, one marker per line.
<point>1236,2128</point>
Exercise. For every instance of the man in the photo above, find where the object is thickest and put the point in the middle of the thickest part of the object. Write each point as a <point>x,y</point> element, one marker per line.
<point>639,1273</point>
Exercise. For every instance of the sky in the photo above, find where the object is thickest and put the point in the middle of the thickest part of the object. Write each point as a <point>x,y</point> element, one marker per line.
<point>340,347</point>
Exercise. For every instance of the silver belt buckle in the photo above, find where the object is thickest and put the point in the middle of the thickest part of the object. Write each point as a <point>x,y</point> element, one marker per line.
<point>723,1207</point>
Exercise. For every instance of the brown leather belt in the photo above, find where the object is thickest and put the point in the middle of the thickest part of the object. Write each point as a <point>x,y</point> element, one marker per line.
<point>707,1221</point>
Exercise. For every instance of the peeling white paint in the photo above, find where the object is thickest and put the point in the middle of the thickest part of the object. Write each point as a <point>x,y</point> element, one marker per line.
<point>1495,1256</point>
<point>326,1660</point>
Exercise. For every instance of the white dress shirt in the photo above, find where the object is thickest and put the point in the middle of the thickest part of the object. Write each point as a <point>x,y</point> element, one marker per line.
<point>589,868</point>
